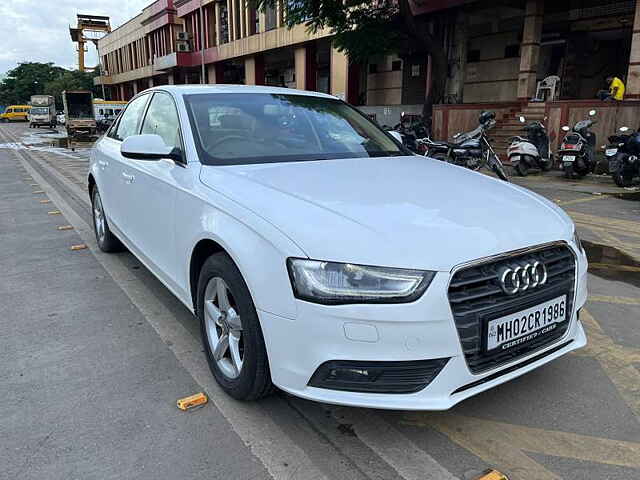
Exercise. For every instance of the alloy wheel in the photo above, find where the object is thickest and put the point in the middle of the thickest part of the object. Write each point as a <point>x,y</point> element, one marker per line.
<point>98,217</point>
<point>224,328</point>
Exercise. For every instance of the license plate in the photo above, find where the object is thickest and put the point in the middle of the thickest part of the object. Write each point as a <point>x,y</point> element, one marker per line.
<point>521,327</point>
<point>568,158</point>
<point>609,152</point>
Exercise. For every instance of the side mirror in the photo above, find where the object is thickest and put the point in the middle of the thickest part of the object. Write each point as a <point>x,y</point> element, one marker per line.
<point>592,113</point>
<point>395,135</point>
<point>522,119</point>
<point>565,129</point>
<point>148,147</point>
<point>624,129</point>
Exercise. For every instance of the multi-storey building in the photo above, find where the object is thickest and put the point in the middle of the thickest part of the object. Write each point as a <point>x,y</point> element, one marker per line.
<point>497,54</point>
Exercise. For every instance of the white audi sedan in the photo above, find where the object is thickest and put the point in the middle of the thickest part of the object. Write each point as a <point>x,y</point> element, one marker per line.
<point>323,258</point>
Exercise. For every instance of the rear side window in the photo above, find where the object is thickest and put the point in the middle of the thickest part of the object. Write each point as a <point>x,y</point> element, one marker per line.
<point>129,123</point>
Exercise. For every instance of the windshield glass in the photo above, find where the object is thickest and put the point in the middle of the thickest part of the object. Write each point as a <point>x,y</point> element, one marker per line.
<point>39,111</point>
<point>231,129</point>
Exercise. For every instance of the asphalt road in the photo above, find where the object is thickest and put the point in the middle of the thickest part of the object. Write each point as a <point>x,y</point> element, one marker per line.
<point>94,352</point>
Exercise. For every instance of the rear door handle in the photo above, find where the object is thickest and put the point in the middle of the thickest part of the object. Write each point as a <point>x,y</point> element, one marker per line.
<point>128,178</point>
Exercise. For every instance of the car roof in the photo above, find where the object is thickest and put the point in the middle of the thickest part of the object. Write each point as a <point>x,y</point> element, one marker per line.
<point>179,90</point>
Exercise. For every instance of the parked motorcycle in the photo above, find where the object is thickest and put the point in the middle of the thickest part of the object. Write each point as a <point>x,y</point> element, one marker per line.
<point>623,155</point>
<point>577,151</point>
<point>532,151</point>
<point>411,127</point>
<point>469,149</point>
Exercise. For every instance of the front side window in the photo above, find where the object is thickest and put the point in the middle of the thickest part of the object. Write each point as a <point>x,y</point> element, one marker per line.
<point>232,129</point>
<point>162,119</point>
<point>129,123</point>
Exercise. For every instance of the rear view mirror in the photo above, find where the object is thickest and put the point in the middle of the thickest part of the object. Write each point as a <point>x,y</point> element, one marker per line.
<point>624,129</point>
<point>592,113</point>
<point>395,135</point>
<point>148,147</point>
<point>565,128</point>
<point>522,119</point>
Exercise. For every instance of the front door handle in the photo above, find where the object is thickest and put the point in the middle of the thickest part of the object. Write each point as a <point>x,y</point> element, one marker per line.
<point>128,178</point>
<point>103,164</point>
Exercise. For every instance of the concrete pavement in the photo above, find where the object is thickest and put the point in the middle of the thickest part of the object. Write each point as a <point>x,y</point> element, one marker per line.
<point>104,351</point>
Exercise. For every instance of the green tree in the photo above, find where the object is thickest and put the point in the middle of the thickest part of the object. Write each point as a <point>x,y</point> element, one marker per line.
<point>70,80</point>
<point>32,78</point>
<point>364,28</point>
<point>27,79</point>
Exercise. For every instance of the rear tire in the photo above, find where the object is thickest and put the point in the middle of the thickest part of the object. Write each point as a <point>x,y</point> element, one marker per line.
<point>107,241</point>
<point>521,169</point>
<point>240,364</point>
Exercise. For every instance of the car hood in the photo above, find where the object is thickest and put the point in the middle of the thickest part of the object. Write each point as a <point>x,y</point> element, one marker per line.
<point>411,212</point>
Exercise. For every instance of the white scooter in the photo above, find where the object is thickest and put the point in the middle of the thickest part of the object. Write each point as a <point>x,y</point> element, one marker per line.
<point>532,151</point>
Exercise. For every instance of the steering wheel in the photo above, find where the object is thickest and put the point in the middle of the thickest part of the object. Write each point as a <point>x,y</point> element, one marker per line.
<point>227,138</point>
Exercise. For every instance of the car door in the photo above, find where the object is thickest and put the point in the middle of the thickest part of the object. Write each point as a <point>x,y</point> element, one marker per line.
<point>152,186</point>
<point>110,164</point>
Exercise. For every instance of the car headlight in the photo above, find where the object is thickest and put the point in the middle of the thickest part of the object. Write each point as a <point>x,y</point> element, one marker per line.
<point>332,283</point>
<point>577,241</point>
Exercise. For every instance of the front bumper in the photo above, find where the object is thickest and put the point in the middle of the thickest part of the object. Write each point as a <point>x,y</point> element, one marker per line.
<point>424,329</point>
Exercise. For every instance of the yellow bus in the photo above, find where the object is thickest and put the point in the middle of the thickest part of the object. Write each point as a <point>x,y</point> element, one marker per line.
<point>15,113</point>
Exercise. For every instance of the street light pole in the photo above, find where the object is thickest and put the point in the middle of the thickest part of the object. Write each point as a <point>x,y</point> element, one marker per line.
<point>202,79</point>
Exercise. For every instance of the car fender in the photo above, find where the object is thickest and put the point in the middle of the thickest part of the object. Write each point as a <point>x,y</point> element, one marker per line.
<point>258,249</point>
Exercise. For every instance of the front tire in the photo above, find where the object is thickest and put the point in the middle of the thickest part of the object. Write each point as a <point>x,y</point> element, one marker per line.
<point>623,180</point>
<point>231,332</point>
<point>107,241</point>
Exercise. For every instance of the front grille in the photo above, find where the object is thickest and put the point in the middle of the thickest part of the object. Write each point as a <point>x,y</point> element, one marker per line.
<point>476,298</point>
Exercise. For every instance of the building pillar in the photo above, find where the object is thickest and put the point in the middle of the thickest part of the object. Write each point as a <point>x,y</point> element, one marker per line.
<point>339,74</point>
<point>254,70</point>
<point>135,88</point>
<point>123,95</point>
<point>530,49</point>
<point>212,74</point>
<point>150,82</point>
<point>218,18</point>
<point>306,67</point>
<point>632,91</point>
<point>170,79</point>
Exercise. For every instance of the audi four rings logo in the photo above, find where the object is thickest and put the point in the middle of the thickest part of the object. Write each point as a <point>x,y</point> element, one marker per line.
<point>521,277</point>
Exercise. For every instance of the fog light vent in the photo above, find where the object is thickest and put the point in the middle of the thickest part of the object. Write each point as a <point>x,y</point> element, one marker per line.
<point>377,377</point>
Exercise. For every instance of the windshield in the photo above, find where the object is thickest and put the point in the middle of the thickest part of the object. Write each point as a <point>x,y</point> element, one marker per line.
<point>231,129</point>
<point>39,111</point>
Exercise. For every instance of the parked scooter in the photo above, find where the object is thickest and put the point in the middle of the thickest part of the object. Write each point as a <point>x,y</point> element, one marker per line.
<point>470,149</point>
<point>532,151</point>
<point>577,152</point>
<point>623,155</point>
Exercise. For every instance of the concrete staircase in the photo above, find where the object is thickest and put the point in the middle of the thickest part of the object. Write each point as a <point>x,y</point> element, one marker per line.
<point>509,126</point>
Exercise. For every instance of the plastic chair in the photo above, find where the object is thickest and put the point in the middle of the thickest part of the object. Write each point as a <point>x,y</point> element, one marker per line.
<point>547,88</point>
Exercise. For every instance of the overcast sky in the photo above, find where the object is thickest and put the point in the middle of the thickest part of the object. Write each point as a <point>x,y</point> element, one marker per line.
<point>38,30</point>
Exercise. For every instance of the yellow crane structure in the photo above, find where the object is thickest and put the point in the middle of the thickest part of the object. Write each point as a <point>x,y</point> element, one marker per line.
<point>90,28</point>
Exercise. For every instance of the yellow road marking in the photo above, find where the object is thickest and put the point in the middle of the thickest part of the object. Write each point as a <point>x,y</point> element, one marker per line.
<point>45,201</point>
<point>617,361</point>
<point>54,212</point>
<point>625,225</point>
<point>581,200</point>
<point>65,227</point>
<point>614,299</point>
<point>610,266</point>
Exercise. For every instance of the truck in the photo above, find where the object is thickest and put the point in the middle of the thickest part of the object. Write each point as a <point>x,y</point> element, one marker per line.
<point>42,112</point>
<point>78,111</point>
